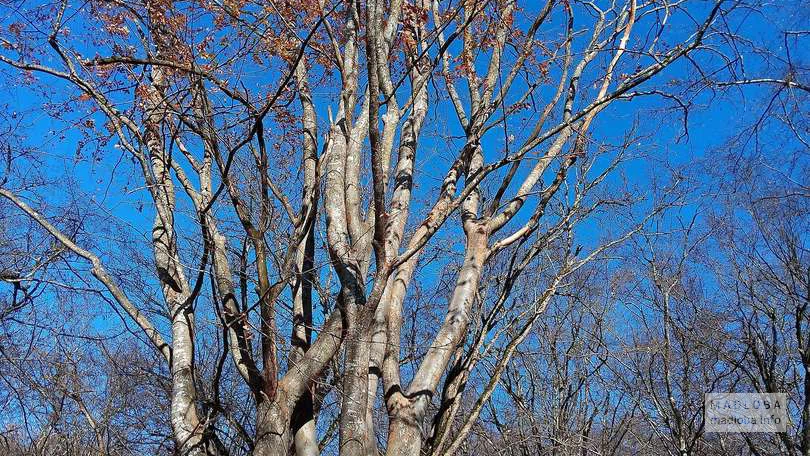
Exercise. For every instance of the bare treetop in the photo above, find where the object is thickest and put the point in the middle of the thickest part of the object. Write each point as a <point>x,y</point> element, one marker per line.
<point>336,226</point>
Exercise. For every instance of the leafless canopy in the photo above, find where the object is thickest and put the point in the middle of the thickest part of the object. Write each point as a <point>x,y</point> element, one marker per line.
<point>362,227</point>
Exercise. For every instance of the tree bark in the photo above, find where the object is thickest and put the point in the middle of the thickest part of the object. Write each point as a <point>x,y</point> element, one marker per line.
<point>407,410</point>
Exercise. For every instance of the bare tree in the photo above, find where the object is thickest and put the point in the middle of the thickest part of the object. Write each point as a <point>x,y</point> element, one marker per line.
<point>262,190</point>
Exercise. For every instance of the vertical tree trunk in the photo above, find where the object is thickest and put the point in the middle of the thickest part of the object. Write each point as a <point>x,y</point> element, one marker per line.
<point>272,428</point>
<point>354,438</point>
<point>407,411</point>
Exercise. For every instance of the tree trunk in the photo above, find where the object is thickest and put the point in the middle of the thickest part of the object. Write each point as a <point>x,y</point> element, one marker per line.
<point>407,412</point>
<point>272,429</point>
